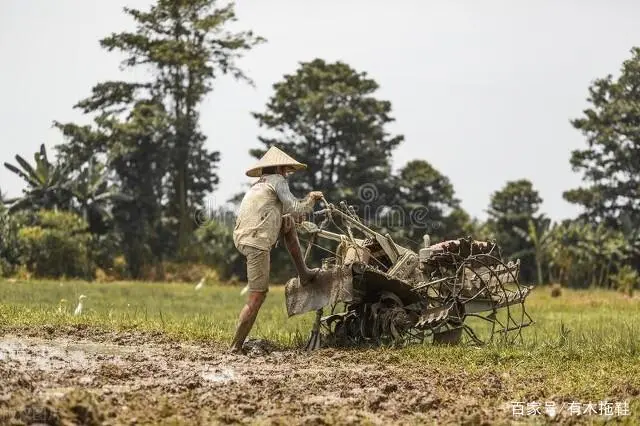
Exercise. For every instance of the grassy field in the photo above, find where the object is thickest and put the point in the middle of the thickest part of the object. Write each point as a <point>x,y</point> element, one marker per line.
<point>207,314</point>
<point>583,347</point>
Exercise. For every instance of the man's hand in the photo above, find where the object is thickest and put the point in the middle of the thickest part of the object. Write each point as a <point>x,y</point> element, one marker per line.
<point>316,195</point>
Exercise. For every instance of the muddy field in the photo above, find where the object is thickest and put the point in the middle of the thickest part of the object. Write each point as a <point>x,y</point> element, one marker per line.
<point>76,375</point>
<point>81,376</point>
<point>118,364</point>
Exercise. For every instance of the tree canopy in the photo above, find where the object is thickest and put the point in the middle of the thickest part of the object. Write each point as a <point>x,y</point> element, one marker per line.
<point>513,211</point>
<point>424,202</point>
<point>130,186</point>
<point>610,163</point>
<point>148,131</point>
<point>327,116</point>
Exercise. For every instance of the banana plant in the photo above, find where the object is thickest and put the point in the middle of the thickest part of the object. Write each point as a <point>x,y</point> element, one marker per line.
<point>631,233</point>
<point>93,194</point>
<point>539,234</point>
<point>47,183</point>
<point>586,254</point>
<point>53,186</point>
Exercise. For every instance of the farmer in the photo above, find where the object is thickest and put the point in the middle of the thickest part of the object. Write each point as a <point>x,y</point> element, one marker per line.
<point>267,211</point>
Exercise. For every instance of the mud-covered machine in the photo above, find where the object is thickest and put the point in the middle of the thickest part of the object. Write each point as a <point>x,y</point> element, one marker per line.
<point>378,292</point>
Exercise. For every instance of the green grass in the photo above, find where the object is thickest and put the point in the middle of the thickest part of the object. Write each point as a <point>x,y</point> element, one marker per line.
<point>580,324</point>
<point>584,324</point>
<point>584,345</point>
<point>174,308</point>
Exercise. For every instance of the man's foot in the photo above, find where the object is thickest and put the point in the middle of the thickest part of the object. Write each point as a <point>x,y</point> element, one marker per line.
<point>234,350</point>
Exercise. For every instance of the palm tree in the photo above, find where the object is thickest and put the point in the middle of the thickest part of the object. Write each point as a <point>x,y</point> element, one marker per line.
<point>539,234</point>
<point>631,233</point>
<point>47,183</point>
<point>93,194</point>
<point>584,254</point>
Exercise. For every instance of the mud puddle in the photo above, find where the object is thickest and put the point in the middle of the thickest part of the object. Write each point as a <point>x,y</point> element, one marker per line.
<point>76,376</point>
<point>43,355</point>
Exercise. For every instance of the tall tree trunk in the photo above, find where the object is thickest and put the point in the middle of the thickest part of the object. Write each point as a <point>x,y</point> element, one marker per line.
<point>539,267</point>
<point>183,216</point>
<point>181,143</point>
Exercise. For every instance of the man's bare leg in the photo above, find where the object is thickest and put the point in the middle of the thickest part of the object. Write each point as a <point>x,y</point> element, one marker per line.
<point>295,250</point>
<point>248,316</point>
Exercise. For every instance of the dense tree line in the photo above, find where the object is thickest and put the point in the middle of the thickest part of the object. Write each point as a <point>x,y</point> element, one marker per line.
<point>124,195</point>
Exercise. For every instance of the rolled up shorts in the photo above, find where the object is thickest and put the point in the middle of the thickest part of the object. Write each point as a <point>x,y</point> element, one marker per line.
<point>257,267</point>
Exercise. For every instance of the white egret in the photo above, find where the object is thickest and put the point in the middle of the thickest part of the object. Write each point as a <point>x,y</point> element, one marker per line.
<point>78,310</point>
<point>200,284</point>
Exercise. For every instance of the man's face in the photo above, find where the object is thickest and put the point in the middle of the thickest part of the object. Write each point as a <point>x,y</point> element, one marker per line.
<point>286,171</point>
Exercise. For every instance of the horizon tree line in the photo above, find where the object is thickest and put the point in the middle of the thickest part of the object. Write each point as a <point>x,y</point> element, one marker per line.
<point>139,173</point>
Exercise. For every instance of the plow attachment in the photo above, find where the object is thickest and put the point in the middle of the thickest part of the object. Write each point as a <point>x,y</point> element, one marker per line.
<point>377,292</point>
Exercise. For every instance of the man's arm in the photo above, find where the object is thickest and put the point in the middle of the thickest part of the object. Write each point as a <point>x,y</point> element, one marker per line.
<point>293,205</point>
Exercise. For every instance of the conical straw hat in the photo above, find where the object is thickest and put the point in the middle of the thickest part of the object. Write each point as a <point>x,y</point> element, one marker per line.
<point>272,158</point>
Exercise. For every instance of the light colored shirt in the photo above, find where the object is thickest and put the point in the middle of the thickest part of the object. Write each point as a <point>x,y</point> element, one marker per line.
<point>260,214</point>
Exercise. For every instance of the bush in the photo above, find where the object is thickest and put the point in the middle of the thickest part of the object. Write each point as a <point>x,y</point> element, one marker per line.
<point>215,245</point>
<point>626,279</point>
<point>120,267</point>
<point>9,244</point>
<point>56,245</point>
<point>584,255</point>
<point>188,272</point>
<point>104,249</point>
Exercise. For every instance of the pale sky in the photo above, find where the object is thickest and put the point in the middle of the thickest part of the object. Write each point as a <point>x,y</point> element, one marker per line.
<point>484,90</point>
